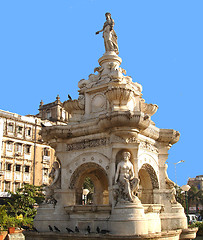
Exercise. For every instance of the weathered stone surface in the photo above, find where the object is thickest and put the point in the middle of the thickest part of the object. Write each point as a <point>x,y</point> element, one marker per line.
<point>132,195</point>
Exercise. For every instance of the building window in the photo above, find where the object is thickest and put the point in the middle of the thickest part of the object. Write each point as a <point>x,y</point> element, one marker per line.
<point>7,186</point>
<point>19,148</point>
<point>8,166</point>
<point>64,114</point>
<point>27,169</point>
<point>10,127</point>
<point>9,146</point>
<point>17,186</point>
<point>46,152</point>
<point>48,115</point>
<point>27,149</point>
<point>20,129</point>
<point>18,167</point>
<point>28,132</point>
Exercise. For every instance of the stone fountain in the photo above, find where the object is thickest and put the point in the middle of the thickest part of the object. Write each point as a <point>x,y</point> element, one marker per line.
<point>111,140</point>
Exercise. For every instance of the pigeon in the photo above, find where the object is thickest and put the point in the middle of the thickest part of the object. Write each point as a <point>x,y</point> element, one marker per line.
<point>69,230</point>
<point>69,97</point>
<point>56,229</point>
<point>77,229</point>
<point>104,231</point>
<point>98,230</point>
<point>35,229</point>
<point>26,228</point>
<point>88,229</point>
<point>50,228</point>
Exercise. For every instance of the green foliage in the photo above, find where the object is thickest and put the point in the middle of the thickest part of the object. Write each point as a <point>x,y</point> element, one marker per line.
<point>3,216</point>
<point>195,196</point>
<point>24,200</point>
<point>10,221</point>
<point>88,184</point>
<point>20,207</point>
<point>25,221</point>
<point>200,227</point>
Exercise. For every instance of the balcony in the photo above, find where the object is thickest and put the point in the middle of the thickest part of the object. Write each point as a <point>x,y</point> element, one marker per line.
<point>17,176</point>
<point>27,156</point>
<point>26,177</point>
<point>8,175</point>
<point>46,159</point>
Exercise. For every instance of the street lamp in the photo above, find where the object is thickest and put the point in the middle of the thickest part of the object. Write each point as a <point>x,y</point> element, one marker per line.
<point>175,169</point>
<point>186,188</point>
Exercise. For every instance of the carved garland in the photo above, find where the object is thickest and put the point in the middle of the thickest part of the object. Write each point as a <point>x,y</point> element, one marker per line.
<point>87,144</point>
<point>148,146</point>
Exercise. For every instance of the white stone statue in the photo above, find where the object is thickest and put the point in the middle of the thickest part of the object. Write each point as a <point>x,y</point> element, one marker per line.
<point>55,174</point>
<point>109,35</point>
<point>171,185</point>
<point>125,180</point>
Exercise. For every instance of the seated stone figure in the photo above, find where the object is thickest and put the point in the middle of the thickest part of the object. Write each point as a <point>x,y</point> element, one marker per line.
<point>170,185</point>
<point>55,174</point>
<point>125,180</point>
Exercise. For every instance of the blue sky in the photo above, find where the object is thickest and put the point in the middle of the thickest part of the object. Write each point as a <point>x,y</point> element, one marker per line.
<point>47,46</point>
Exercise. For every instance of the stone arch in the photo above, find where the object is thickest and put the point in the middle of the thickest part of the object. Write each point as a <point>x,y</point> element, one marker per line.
<point>148,182</point>
<point>86,157</point>
<point>99,178</point>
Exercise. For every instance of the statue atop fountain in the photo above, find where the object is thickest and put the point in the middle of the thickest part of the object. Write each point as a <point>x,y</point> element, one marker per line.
<point>109,35</point>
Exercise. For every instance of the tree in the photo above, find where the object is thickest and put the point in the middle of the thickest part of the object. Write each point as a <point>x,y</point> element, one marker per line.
<point>24,201</point>
<point>195,197</point>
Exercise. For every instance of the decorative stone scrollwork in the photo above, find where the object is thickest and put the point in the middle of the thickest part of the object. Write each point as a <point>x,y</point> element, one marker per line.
<point>148,146</point>
<point>87,144</point>
<point>149,109</point>
<point>98,102</point>
<point>119,97</point>
<point>169,135</point>
<point>72,105</point>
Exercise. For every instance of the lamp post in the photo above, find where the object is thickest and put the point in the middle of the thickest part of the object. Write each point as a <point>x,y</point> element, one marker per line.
<point>175,169</point>
<point>186,188</point>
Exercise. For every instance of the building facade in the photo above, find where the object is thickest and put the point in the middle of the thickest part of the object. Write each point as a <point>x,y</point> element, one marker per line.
<point>195,204</point>
<point>24,156</point>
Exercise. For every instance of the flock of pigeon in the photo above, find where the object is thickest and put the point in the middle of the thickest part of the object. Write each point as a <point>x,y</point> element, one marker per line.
<point>88,230</point>
<point>55,229</point>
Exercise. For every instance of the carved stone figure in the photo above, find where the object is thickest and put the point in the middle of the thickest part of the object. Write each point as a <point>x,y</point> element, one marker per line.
<point>109,35</point>
<point>125,180</point>
<point>55,174</point>
<point>171,185</point>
